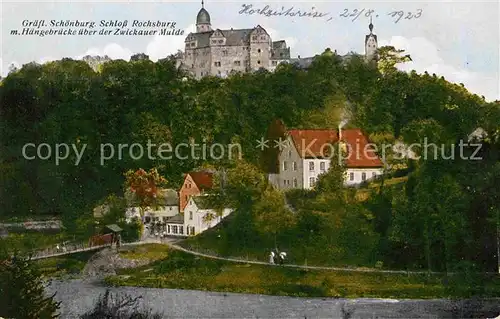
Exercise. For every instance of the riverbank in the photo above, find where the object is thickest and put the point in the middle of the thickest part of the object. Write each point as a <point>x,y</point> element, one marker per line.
<point>176,303</point>
<point>180,270</point>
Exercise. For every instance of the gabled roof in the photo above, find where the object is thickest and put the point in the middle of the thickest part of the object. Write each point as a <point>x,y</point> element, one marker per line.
<point>166,197</point>
<point>316,144</point>
<point>203,202</point>
<point>202,179</point>
<point>114,228</point>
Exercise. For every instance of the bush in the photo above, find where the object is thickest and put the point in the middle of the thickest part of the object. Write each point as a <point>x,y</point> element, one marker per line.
<point>109,306</point>
<point>467,280</point>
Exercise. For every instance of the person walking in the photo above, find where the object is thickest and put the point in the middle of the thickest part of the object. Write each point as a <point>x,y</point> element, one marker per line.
<point>282,257</point>
<point>271,258</point>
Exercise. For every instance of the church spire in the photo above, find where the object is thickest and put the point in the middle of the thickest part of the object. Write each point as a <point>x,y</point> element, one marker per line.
<point>371,43</point>
<point>202,4</point>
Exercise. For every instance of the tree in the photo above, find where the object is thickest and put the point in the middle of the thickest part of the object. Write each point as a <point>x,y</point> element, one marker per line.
<point>145,186</point>
<point>245,184</point>
<point>23,291</point>
<point>389,57</point>
<point>271,216</point>
<point>332,182</point>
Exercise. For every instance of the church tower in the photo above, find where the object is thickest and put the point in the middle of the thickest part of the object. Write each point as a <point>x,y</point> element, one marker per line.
<point>203,20</point>
<point>371,44</point>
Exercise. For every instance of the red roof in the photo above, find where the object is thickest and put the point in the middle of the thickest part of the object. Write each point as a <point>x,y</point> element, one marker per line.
<point>317,144</point>
<point>204,180</point>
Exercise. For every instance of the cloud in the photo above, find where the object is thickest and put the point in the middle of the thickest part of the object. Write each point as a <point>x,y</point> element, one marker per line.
<point>426,57</point>
<point>162,46</point>
<point>113,50</point>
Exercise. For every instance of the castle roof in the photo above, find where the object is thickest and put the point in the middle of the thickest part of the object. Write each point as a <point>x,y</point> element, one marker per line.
<point>234,37</point>
<point>203,17</point>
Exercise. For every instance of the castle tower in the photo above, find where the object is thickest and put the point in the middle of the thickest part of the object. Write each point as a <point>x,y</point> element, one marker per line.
<point>203,20</point>
<point>371,44</point>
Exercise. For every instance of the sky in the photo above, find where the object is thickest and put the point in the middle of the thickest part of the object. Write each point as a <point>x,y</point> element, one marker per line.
<point>455,39</point>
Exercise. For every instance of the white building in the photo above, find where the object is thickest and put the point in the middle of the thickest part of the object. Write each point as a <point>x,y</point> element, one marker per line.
<point>307,156</point>
<point>168,206</point>
<point>200,215</point>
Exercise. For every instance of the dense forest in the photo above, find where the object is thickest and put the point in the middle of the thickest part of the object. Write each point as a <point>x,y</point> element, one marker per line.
<point>447,211</point>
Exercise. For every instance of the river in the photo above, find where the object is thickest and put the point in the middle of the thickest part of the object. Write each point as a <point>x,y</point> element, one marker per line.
<point>78,296</point>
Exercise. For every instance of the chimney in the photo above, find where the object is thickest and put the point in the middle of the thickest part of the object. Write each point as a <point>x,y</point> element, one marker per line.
<point>340,132</point>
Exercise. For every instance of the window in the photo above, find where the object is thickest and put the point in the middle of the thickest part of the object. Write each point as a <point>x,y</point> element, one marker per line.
<point>289,154</point>
<point>187,198</point>
<point>174,229</point>
<point>164,219</point>
<point>190,215</point>
<point>187,230</point>
<point>275,63</point>
<point>193,230</point>
<point>181,230</point>
<point>258,62</point>
<point>258,50</point>
<point>311,166</point>
<point>221,41</point>
<point>294,182</point>
<point>351,176</point>
<point>284,182</point>
<point>322,166</point>
<point>254,38</point>
<point>294,166</point>
<point>288,182</point>
<point>374,174</point>
<point>237,63</point>
<point>311,181</point>
<point>224,53</point>
<point>285,166</point>
<point>168,229</point>
<point>147,219</point>
<point>170,208</point>
<point>214,41</point>
<point>217,64</point>
<point>363,176</point>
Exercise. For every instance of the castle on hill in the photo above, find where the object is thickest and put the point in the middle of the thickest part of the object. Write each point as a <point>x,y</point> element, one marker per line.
<point>220,52</point>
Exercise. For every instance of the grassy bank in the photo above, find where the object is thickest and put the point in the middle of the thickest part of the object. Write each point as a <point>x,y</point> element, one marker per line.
<point>183,271</point>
